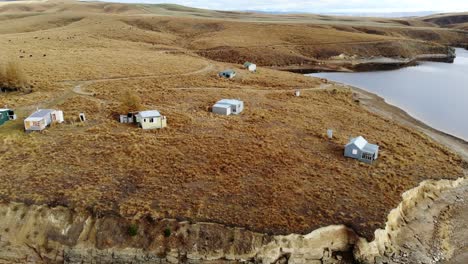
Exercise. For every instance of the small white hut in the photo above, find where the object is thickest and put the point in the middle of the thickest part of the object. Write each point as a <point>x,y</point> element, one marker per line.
<point>42,118</point>
<point>250,66</point>
<point>151,119</point>
<point>228,107</point>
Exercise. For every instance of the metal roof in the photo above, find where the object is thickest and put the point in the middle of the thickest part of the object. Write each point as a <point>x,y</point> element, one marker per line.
<point>34,119</point>
<point>360,142</point>
<point>228,71</point>
<point>363,145</point>
<point>229,102</point>
<point>4,109</point>
<point>371,148</point>
<point>222,105</point>
<point>150,113</point>
<point>41,113</point>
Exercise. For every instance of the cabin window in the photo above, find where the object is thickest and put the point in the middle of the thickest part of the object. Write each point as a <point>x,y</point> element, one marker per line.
<point>144,120</point>
<point>151,120</point>
<point>354,151</point>
<point>367,156</point>
<point>36,124</point>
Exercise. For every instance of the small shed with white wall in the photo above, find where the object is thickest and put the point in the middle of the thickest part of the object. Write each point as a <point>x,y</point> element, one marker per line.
<point>250,66</point>
<point>42,118</point>
<point>151,119</point>
<point>359,148</point>
<point>228,107</point>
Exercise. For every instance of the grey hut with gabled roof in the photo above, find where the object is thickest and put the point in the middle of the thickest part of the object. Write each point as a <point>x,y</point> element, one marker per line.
<point>359,148</point>
<point>227,74</point>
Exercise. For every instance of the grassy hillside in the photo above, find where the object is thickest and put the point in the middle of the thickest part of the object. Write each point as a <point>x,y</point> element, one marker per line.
<point>448,19</point>
<point>271,168</point>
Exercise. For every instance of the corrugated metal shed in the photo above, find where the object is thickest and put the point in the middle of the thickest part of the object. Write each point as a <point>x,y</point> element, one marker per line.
<point>41,113</point>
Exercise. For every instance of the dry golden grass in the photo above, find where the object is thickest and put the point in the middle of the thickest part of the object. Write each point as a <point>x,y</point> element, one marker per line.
<point>271,168</point>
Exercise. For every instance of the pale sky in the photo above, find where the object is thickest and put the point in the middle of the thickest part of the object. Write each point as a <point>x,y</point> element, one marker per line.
<point>318,6</point>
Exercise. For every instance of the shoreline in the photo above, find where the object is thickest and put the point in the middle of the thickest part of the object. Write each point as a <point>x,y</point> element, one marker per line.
<point>376,104</point>
<point>435,225</point>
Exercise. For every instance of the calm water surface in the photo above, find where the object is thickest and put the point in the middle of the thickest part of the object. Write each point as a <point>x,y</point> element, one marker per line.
<point>435,93</point>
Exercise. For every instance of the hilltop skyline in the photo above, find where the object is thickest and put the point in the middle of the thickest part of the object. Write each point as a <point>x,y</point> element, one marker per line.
<point>321,6</point>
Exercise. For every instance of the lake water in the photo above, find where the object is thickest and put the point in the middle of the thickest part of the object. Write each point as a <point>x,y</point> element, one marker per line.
<point>435,93</point>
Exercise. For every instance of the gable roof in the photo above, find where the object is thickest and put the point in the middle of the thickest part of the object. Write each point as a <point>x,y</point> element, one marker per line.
<point>363,145</point>
<point>360,142</point>
<point>150,113</point>
<point>247,64</point>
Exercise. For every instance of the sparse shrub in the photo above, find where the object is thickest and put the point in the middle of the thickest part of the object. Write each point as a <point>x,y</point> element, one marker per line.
<point>12,78</point>
<point>132,230</point>
<point>130,102</point>
<point>167,232</point>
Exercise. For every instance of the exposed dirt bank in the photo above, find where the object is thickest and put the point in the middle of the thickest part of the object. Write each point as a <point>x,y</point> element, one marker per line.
<point>421,228</point>
<point>366,64</point>
<point>55,235</point>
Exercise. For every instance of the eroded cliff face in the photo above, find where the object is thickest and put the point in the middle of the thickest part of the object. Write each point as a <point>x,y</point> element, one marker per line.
<point>55,235</point>
<point>421,229</point>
